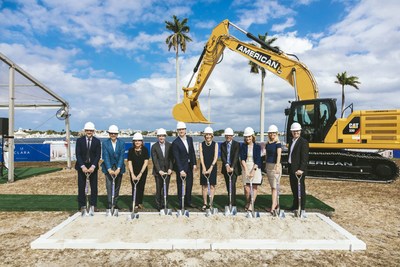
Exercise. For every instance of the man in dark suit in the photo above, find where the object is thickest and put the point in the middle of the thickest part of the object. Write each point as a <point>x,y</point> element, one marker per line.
<point>230,150</point>
<point>162,165</point>
<point>113,164</point>
<point>88,152</point>
<point>298,160</point>
<point>185,163</point>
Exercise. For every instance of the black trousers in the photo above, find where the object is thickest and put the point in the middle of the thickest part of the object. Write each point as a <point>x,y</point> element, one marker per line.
<point>234,178</point>
<point>139,189</point>
<point>188,188</point>
<point>294,187</point>
<point>159,198</point>
<point>81,189</point>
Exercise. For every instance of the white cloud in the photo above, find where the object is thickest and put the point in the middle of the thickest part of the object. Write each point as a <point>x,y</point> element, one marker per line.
<point>290,22</point>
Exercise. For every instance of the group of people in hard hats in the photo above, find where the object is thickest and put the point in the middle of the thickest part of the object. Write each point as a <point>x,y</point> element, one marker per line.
<point>179,156</point>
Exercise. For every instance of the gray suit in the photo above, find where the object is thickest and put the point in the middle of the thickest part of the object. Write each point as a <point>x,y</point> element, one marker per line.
<point>161,163</point>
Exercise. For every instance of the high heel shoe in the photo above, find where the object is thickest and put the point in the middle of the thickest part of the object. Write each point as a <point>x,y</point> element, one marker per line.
<point>246,207</point>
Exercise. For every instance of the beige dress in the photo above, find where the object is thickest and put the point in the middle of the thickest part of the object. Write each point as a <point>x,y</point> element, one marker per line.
<point>273,173</point>
<point>257,178</point>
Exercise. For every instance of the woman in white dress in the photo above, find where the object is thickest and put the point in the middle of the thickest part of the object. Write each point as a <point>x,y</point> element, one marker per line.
<point>250,154</point>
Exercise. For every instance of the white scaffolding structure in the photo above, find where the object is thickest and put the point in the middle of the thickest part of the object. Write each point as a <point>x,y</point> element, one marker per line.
<point>57,102</point>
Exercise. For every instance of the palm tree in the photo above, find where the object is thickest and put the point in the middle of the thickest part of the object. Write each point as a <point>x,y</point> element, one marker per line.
<point>344,80</point>
<point>177,40</point>
<point>254,68</point>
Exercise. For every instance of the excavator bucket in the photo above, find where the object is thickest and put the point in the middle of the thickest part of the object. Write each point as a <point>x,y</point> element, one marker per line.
<point>189,111</point>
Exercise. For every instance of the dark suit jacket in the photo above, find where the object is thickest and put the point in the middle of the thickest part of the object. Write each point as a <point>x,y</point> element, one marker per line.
<point>184,161</point>
<point>113,158</point>
<point>299,155</point>
<point>256,154</point>
<point>234,157</point>
<point>80,152</point>
<point>160,162</point>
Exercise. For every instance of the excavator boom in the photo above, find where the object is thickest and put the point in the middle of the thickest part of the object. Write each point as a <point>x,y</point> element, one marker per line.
<point>275,61</point>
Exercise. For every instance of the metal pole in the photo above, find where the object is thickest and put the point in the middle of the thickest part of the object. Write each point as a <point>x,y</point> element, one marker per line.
<point>67,139</point>
<point>11,95</point>
<point>209,106</point>
<point>262,110</point>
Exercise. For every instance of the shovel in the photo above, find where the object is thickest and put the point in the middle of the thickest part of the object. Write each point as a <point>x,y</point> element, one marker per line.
<point>113,211</point>
<point>210,211</point>
<point>299,213</point>
<point>278,212</point>
<point>165,211</point>
<point>230,210</point>
<point>133,214</point>
<point>253,213</point>
<point>88,210</point>
<point>183,212</point>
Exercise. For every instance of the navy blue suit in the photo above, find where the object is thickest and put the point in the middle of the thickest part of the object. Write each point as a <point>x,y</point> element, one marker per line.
<point>94,158</point>
<point>184,161</point>
<point>113,160</point>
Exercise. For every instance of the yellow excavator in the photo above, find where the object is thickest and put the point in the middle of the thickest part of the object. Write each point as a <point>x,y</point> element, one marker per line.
<point>338,147</point>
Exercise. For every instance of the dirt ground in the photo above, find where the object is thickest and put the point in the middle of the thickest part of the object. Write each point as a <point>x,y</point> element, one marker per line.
<point>369,211</point>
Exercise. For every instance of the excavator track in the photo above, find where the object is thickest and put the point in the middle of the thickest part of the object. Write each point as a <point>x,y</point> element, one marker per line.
<point>350,165</point>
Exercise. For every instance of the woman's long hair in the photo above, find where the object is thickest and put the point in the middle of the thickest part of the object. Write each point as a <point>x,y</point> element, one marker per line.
<point>253,139</point>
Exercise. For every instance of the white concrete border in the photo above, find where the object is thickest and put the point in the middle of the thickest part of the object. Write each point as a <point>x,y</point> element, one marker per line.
<point>349,243</point>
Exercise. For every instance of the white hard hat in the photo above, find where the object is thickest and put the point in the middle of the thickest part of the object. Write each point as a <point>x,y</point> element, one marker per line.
<point>228,131</point>
<point>113,129</point>
<point>161,131</point>
<point>248,131</point>
<point>272,129</point>
<point>89,126</point>
<point>180,125</point>
<point>295,126</point>
<point>208,130</point>
<point>137,136</point>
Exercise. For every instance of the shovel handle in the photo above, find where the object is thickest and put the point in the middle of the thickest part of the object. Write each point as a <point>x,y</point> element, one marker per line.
<point>299,191</point>
<point>230,188</point>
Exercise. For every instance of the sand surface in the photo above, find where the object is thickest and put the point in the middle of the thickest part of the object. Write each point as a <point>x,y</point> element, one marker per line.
<point>369,211</point>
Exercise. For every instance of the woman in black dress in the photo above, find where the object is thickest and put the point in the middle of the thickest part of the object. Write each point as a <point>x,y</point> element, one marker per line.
<point>138,159</point>
<point>208,158</point>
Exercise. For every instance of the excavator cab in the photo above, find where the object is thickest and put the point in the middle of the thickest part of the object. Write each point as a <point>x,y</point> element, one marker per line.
<point>316,117</point>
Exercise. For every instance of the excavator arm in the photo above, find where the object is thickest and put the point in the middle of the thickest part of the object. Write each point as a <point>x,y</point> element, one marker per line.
<point>271,59</point>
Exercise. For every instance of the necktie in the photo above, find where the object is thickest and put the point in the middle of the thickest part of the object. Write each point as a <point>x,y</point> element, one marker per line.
<point>88,151</point>
<point>228,160</point>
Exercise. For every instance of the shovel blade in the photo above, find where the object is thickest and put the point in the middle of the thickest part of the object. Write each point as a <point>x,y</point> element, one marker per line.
<point>181,213</point>
<point>302,214</point>
<point>279,213</point>
<point>230,211</point>
<point>115,213</point>
<point>133,216</point>
<point>87,212</point>
<point>164,212</point>
<point>108,212</point>
<point>282,214</point>
<point>251,214</point>
<point>211,211</point>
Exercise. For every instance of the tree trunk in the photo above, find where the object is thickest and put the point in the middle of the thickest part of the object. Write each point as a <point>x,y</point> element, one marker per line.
<point>177,74</point>
<point>341,115</point>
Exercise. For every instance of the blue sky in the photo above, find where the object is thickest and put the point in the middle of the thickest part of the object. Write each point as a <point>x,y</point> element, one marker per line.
<point>109,59</point>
